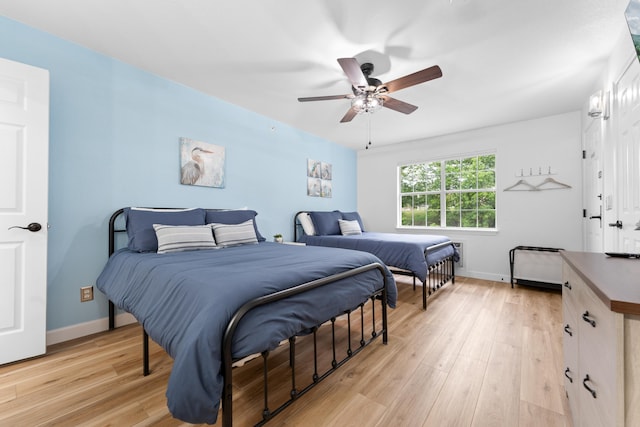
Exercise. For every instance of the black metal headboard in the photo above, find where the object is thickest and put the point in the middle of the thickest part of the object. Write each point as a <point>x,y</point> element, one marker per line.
<point>114,229</point>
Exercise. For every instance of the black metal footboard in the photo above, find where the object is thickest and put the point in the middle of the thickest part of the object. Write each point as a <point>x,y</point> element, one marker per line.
<point>267,413</point>
<point>438,274</point>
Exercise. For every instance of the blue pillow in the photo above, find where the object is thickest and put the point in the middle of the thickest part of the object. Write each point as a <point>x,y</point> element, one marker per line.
<point>234,217</point>
<point>139,222</point>
<point>326,223</point>
<point>350,216</point>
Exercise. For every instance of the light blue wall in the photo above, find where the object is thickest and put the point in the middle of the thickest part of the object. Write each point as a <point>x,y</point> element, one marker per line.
<point>114,133</point>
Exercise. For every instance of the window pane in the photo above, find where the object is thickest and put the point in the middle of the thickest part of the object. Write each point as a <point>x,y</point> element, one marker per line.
<point>419,211</point>
<point>469,218</point>
<point>433,210</point>
<point>407,210</point>
<point>410,176</point>
<point>453,218</point>
<point>486,179</point>
<point>405,185</point>
<point>487,219</point>
<point>469,165</point>
<point>453,201</point>
<point>433,218</point>
<point>433,201</point>
<point>469,200</point>
<point>469,181</point>
<point>453,181</point>
<point>452,166</point>
<point>433,176</point>
<point>486,200</point>
<point>487,162</point>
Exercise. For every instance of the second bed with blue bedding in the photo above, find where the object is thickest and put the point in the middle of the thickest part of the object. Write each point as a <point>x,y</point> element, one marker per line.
<point>418,254</point>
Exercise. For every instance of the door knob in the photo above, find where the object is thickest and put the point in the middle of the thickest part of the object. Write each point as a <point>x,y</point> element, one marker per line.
<point>33,227</point>
<point>617,224</point>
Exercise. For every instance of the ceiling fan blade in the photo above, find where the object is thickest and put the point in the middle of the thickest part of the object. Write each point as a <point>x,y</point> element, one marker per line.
<point>413,79</point>
<point>352,69</point>
<point>323,98</point>
<point>397,105</point>
<point>349,116</point>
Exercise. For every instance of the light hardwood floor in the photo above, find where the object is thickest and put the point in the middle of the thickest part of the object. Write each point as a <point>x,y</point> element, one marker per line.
<point>483,354</point>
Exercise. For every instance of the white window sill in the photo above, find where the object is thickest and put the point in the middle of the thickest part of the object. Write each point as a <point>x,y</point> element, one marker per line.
<point>451,230</point>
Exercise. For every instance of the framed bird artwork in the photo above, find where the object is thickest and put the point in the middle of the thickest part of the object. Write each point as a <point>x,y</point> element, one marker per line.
<point>201,163</point>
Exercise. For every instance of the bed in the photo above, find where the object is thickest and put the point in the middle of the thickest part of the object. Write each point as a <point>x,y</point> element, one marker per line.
<point>209,306</point>
<point>429,258</point>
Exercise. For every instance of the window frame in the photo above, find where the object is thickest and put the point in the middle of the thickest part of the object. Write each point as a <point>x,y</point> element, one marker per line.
<point>443,192</point>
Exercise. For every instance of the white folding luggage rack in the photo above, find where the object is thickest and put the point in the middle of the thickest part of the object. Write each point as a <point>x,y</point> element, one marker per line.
<point>541,279</point>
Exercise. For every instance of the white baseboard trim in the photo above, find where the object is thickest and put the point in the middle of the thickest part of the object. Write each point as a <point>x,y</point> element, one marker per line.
<point>485,276</point>
<point>68,333</point>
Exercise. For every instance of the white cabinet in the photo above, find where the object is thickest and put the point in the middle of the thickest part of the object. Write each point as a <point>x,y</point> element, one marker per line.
<point>594,355</point>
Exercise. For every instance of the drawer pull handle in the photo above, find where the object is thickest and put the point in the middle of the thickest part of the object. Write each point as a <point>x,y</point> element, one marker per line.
<point>567,285</point>
<point>566,374</point>
<point>584,383</point>
<point>567,329</point>
<point>588,319</point>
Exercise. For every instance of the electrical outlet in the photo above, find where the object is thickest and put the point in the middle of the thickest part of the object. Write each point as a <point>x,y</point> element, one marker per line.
<point>86,293</point>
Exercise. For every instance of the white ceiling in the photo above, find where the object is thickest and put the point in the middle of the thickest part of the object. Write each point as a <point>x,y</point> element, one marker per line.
<point>502,60</point>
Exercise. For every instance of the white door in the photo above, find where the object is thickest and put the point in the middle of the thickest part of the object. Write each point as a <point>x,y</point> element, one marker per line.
<point>593,187</point>
<point>628,160</point>
<point>24,153</point>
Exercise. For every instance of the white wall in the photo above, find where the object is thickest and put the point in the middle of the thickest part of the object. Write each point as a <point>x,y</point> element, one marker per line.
<point>550,218</point>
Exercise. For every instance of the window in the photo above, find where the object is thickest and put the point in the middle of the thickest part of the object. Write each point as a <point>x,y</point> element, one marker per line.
<point>459,193</point>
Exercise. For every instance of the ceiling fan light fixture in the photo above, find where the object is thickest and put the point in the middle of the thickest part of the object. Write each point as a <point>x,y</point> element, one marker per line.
<point>369,94</point>
<point>366,103</point>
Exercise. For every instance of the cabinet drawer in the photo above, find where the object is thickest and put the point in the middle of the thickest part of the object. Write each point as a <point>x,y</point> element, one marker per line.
<point>597,328</point>
<point>571,284</point>
<point>599,352</point>
<point>599,409</point>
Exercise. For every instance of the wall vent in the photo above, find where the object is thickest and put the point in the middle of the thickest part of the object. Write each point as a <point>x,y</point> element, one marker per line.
<point>460,263</point>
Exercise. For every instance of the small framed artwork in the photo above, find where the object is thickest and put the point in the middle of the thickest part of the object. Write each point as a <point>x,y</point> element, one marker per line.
<point>314,168</point>
<point>314,187</point>
<point>325,188</point>
<point>325,171</point>
<point>201,163</point>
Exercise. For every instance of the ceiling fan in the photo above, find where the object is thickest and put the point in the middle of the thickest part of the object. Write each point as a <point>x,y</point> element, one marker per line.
<point>370,94</point>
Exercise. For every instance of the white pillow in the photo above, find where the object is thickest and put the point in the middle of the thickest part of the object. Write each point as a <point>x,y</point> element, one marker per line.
<point>349,228</point>
<point>307,224</point>
<point>234,234</point>
<point>178,238</point>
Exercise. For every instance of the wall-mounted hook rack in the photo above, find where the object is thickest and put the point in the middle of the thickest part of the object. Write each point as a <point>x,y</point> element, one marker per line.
<point>535,172</point>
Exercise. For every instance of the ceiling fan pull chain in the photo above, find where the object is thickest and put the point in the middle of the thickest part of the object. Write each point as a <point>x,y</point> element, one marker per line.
<point>366,147</point>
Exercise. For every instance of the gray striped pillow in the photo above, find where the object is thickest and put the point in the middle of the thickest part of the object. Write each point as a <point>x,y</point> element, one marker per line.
<point>234,234</point>
<point>349,228</point>
<point>178,238</point>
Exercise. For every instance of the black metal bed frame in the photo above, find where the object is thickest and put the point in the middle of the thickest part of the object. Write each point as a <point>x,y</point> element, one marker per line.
<point>438,274</point>
<point>228,360</point>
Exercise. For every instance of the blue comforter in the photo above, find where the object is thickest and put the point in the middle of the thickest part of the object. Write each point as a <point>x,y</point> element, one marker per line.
<point>184,301</point>
<point>406,251</point>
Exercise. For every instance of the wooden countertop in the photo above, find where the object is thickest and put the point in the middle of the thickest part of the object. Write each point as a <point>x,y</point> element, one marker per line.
<point>616,281</point>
